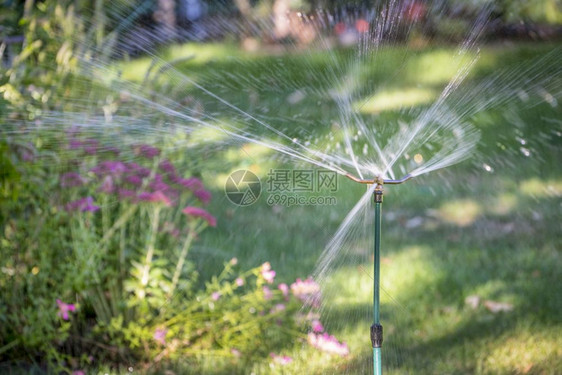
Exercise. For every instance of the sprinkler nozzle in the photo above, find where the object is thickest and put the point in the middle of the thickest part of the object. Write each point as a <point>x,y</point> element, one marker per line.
<point>379,180</point>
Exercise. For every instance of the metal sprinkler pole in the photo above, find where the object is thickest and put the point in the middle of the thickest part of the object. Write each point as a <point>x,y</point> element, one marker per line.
<point>376,328</point>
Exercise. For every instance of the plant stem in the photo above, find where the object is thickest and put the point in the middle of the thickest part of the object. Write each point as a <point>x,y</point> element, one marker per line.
<point>150,249</point>
<point>181,261</point>
<point>122,220</point>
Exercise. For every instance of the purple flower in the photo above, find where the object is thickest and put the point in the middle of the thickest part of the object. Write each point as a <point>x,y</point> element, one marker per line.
<point>280,360</point>
<point>203,195</point>
<point>160,335</point>
<point>156,197</point>
<point>90,146</point>
<point>74,144</point>
<point>308,291</point>
<point>192,183</point>
<point>146,151</point>
<point>317,326</point>
<point>267,273</point>
<point>78,372</point>
<point>199,212</point>
<point>64,308</point>
<point>84,204</point>
<point>114,168</point>
<point>167,167</point>
<point>216,295</point>
<point>134,180</point>
<point>284,288</point>
<point>267,294</point>
<point>71,179</point>
<point>139,170</point>
<point>127,194</point>
<point>328,344</point>
<point>239,281</point>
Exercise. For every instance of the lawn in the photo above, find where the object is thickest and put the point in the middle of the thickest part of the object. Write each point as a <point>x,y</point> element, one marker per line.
<point>471,255</point>
<point>486,231</point>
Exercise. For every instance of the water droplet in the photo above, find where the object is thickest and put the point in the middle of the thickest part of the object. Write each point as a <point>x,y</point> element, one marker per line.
<point>488,168</point>
<point>418,158</point>
<point>525,151</point>
<point>521,140</point>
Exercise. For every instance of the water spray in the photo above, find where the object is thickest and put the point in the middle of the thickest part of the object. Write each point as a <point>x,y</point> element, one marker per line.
<point>376,328</point>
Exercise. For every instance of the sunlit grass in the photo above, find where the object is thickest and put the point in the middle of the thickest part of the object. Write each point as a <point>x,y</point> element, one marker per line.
<point>460,212</point>
<point>396,99</point>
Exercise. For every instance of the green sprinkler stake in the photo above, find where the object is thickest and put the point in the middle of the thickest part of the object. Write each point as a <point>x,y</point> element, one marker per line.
<point>376,328</point>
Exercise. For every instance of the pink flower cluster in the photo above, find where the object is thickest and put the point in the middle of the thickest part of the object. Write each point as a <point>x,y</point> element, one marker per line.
<point>133,182</point>
<point>307,291</point>
<point>267,273</point>
<point>328,343</point>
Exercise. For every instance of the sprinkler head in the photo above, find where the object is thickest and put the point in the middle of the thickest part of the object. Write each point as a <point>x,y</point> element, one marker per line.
<point>379,180</point>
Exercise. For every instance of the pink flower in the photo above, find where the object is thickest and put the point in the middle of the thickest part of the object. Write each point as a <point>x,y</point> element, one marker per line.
<point>233,261</point>
<point>317,326</point>
<point>280,360</point>
<point>78,372</point>
<point>284,288</point>
<point>203,195</point>
<point>84,204</point>
<point>156,197</point>
<point>267,273</point>
<point>235,352</point>
<point>199,212</point>
<point>267,294</point>
<point>308,291</point>
<point>278,308</point>
<point>160,335</point>
<point>216,295</point>
<point>328,344</point>
<point>64,308</point>
<point>239,281</point>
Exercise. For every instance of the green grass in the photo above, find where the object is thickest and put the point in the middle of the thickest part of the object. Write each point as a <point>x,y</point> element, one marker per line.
<point>496,235</point>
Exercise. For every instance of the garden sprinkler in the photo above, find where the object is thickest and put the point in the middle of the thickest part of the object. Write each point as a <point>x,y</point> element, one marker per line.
<point>376,328</point>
